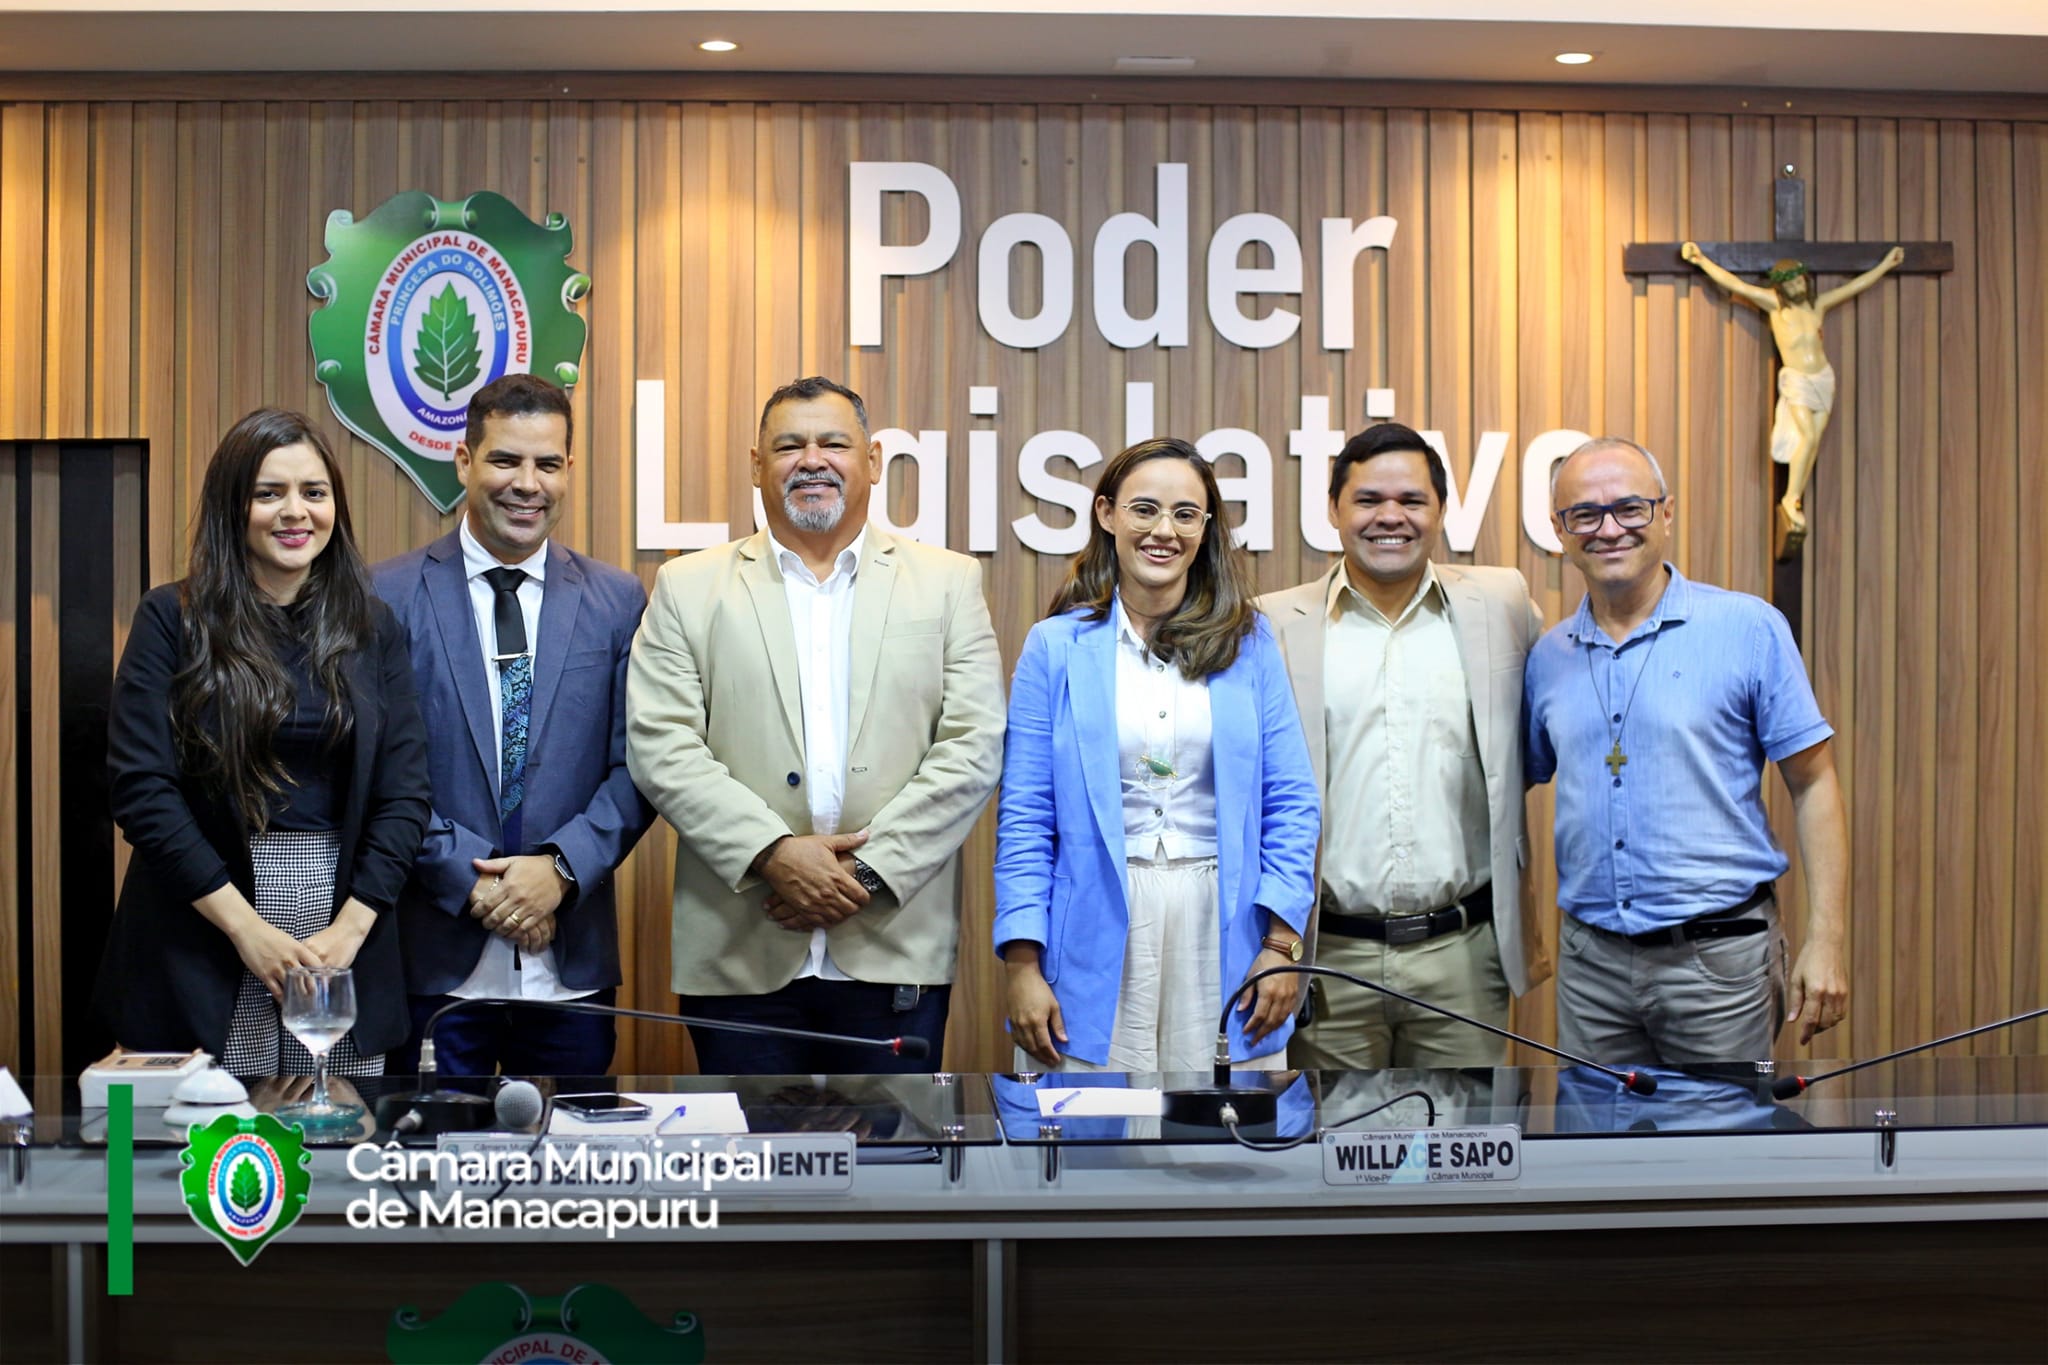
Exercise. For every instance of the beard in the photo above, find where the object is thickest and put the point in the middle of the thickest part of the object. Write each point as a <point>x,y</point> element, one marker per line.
<point>813,519</point>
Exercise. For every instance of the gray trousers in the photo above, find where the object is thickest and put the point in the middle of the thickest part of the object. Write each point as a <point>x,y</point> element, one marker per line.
<point>1699,1000</point>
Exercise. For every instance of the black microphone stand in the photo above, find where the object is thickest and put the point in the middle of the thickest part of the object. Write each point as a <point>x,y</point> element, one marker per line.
<point>1223,1105</point>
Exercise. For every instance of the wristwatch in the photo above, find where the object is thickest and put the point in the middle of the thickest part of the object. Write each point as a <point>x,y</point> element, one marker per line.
<point>562,866</point>
<point>1291,949</point>
<point>869,879</point>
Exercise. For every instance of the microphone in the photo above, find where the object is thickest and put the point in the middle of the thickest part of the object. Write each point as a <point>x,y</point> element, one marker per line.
<point>1204,1107</point>
<point>518,1105</point>
<point>1789,1086</point>
<point>433,1111</point>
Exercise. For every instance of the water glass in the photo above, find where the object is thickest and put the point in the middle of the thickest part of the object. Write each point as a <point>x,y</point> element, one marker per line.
<point>319,1009</point>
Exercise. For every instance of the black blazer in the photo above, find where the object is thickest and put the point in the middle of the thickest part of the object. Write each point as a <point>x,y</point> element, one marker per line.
<point>168,978</point>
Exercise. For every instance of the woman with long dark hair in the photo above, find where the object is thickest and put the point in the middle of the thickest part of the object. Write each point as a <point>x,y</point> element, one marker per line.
<point>269,769</point>
<point>1156,837</point>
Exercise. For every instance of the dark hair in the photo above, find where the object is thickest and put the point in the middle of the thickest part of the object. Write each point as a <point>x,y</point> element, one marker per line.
<point>231,692</point>
<point>517,395</point>
<point>1387,438</point>
<point>816,386</point>
<point>1204,632</point>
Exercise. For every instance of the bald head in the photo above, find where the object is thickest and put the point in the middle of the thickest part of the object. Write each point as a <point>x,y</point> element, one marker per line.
<point>1609,453</point>
<point>1612,492</point>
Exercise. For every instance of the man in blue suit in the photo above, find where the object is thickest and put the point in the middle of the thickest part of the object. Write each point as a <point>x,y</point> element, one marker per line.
<point>519,646</point>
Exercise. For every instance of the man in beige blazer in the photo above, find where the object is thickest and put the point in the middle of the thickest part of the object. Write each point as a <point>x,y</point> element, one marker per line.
<point>1408,676</point>
<point>818,711</point>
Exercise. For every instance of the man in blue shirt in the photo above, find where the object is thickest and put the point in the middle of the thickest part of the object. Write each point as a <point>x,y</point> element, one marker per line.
<point>1656,706</point>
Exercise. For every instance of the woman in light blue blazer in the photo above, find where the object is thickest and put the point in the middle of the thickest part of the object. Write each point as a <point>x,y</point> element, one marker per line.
<point>1156,837</point>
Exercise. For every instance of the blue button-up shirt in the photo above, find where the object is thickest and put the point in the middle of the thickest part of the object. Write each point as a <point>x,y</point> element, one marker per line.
<point>1680,831</point>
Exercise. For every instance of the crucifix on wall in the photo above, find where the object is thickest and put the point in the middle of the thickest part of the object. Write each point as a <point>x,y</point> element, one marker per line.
<point>1806,379</point>
<point>1795,305</point>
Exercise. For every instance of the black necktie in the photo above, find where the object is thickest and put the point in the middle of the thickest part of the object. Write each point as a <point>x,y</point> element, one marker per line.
<point>510,620</point>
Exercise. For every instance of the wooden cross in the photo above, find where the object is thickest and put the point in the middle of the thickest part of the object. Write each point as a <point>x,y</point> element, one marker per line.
<point>1756,258</point>
<point>1616,759</point>
<point>1789,231</point>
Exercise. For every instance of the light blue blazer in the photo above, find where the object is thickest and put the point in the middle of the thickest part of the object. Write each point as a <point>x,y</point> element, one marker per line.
<point>1059,869</point>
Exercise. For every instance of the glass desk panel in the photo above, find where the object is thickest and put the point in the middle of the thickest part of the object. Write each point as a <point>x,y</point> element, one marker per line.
<point>914,1111</point>
<point>1016,1098</point>
<point>1544,1102</point>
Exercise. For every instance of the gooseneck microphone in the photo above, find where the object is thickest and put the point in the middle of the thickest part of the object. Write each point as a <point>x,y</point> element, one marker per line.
<point>1205,1107</point>
<point>906,1045</point>
<point>1789,1086</point>
<point>519,1105</point>
<point>433,1110</point>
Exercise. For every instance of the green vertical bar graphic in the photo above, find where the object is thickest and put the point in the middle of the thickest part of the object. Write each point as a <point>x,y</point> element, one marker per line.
<point>120,1190</point>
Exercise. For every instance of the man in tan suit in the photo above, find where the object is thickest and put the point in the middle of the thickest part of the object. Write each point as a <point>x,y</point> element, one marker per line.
<point>1408,676</point>
<point>818,711</point>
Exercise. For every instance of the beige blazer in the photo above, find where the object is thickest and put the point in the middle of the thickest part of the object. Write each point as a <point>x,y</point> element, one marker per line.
<point>715,739</point>
<point>1496,623</point>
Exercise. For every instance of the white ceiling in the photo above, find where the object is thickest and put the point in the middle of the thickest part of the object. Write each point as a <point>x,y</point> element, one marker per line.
<point>1990,45</point>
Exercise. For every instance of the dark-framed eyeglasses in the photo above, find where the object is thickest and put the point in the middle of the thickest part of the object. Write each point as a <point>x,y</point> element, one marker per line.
<point>1630,514</point>
<point>1141,516</point>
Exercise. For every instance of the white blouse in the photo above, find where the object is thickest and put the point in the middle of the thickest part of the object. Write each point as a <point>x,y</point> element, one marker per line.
<point>1163,734</point>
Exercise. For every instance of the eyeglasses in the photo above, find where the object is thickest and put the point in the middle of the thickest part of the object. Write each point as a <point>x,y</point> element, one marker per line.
<point>1141,516</point>
<point>1630,514</point>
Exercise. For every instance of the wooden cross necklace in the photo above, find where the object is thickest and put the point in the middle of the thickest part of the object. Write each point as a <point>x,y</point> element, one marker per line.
<point>1616,759</point>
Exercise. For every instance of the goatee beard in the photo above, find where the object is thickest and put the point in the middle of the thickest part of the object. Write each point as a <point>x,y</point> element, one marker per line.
<point>813,518</point>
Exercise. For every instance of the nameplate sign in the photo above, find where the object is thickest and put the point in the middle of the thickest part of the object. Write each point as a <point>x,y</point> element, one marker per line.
<point>478,1163</point>
<point>769,1165</point>
<point>1431,1156</point>
<point>780,1165</point>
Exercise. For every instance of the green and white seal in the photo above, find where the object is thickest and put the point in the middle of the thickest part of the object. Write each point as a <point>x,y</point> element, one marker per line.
<point>425,302</point>
<point>497,1324</point>
<point>245,1180</point>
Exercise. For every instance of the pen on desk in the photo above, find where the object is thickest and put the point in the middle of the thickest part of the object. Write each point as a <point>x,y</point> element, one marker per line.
<point>1061,1103</point>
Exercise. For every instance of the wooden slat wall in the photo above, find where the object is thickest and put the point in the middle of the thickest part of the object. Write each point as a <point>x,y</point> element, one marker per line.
<point>152,264</point>
<point>11,758</point>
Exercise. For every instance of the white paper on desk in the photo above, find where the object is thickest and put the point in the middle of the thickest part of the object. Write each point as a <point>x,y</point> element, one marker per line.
<point>713,1113</point>
<point>13,1104</point>
<point>1098,1102</point>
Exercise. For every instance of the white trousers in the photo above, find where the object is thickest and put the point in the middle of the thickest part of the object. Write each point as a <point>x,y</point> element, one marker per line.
<point>1172,985</point>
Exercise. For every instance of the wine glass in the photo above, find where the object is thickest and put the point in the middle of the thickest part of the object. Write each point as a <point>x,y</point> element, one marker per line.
<point>319,1009</point>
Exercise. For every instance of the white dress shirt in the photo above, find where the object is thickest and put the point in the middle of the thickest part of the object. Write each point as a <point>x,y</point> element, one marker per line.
<point>534,977</point>
<point>1405,828</point>
<point>1162,716</point>
<point>821,622</point>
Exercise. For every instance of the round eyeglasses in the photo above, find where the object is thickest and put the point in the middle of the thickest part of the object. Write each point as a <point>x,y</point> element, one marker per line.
<point>1141,516</point>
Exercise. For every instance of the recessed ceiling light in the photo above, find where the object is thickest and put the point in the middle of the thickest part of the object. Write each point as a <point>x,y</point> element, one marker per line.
<point>727,45</point>
<point>1155,64</point>
<point>1575,58</point>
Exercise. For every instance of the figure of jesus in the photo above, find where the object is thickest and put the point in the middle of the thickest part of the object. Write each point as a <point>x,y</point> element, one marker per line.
<point>1806,381</point>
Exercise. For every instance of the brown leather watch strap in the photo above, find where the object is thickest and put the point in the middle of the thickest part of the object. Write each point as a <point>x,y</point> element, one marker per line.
<point>1291,949</point>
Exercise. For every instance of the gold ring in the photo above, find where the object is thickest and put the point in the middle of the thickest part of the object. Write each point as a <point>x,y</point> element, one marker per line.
<point>513,921</point>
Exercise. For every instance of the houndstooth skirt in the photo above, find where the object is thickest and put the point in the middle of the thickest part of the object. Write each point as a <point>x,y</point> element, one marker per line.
<point>295,892</point>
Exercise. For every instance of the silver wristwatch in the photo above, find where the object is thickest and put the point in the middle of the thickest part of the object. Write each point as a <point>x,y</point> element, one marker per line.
<point>869,879</point>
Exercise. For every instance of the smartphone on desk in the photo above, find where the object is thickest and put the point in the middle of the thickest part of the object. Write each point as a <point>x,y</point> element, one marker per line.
<point>603,1108</point>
